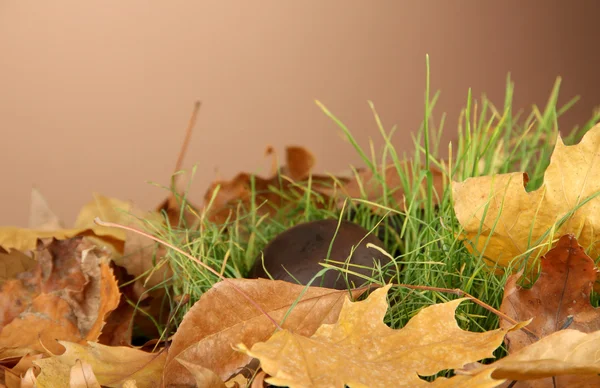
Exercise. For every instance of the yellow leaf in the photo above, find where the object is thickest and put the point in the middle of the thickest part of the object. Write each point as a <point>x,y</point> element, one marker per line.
<point>504,221</point>
<point>108,209</point>
<point>222,318</point>
<point>360,350</point>
<point>112,365</point>
<point>569,355</point>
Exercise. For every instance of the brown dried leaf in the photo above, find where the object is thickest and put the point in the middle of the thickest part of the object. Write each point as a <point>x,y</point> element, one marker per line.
<point>360,350</point>
<point>272,194</point>
<point>299,163</point>
<point>222,318</point>
<point>560,297</point>
<point>112,366</point>
<point>67,296</point>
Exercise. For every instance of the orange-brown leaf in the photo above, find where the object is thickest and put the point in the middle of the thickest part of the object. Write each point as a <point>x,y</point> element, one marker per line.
<point>66,296</point>
<point>223,318</point>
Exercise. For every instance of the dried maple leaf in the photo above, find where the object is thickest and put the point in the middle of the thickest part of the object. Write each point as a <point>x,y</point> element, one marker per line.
<point>222,318</point>
<point>359,350</point>
<point>111,365</point>
<point>569,355</point>
<point>503,221</point>
<point>271,194</point>
<point>66,296</point>
<point>560,297</point>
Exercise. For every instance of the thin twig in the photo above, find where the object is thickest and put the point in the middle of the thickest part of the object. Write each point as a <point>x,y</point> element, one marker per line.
<point>98,221</point>
<point>188,135</point>
<point>459,292</point>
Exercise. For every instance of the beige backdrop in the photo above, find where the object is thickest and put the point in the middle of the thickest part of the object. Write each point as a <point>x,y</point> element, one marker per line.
<point>95,95</point>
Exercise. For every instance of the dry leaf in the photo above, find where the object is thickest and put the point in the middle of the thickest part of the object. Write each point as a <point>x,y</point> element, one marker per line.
<point>205,378</point>
<point>359,350</point>
<point>222,318</point>
<point>516,220</point>
<point>560,298</point>
<point>570,355</point>
<point>66,296</point>
<point>112,366</point>
<point>13,263</point>
<point>108,209</point>
<point>41,217</point>
<point>13,377</point>
<point>271,194</point>
<point>82,376</point>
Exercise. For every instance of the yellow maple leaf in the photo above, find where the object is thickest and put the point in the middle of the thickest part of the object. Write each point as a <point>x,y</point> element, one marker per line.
<point>505,222</point>
<point>360,350</point>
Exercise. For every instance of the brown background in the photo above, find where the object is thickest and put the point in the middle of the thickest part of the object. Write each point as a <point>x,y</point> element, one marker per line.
<point>95,95</point>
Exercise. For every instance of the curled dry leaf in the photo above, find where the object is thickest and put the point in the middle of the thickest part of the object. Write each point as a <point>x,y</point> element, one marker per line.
<point>66,296</point>
<point>222,318</point>
<point>360,350</point>
<point>111,365</point>
<point>13,378</point>
<point>503,221</point>
<point>560,298</point>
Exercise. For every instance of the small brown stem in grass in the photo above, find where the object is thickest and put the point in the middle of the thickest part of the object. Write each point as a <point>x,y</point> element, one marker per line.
<point>459,292</point>
<point>195,260</point>
<point>188,135</point>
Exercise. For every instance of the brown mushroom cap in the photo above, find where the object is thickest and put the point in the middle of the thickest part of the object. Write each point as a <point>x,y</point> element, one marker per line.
<point>300,249</point>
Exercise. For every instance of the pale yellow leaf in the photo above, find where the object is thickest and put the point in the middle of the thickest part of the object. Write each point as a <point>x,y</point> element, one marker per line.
<point>41,217</point>
<point>504,221</point>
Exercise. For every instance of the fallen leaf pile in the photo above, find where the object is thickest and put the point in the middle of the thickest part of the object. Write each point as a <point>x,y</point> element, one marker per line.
<point>70,298</point>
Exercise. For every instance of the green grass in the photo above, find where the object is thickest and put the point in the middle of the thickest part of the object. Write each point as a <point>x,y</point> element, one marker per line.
<point>490,139</point>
